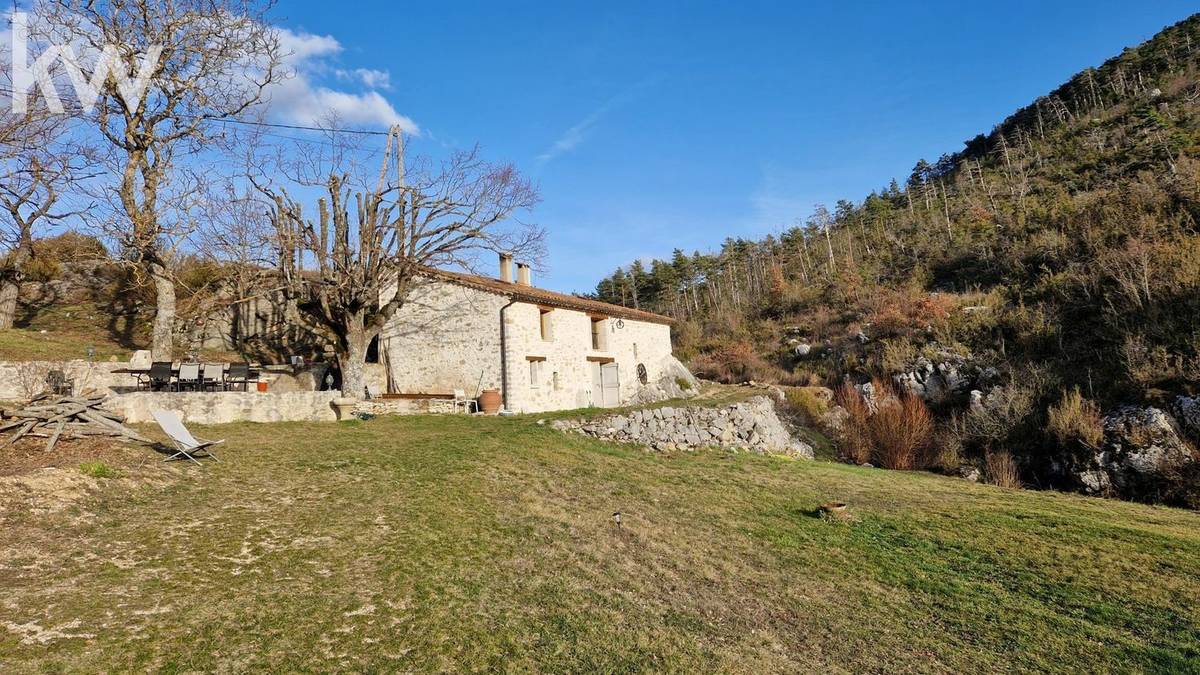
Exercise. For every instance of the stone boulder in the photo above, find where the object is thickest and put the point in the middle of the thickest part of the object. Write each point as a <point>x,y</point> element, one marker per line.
<point>1186,410</point>
<point>944,376</point>
<point>1141,445</point>
<point>676,381</point>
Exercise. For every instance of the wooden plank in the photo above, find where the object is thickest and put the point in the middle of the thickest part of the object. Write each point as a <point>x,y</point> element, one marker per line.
<point>17,436</point>
<point>54,439</point>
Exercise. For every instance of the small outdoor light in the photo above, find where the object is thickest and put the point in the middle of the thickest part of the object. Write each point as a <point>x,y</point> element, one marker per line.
<point>617,519</point>
<point>91,352</point>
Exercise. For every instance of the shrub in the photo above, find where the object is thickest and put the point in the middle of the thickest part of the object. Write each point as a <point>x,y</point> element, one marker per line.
<point>1076,419</point>
<point>902,433</point>
<point>683,383</point>
<point>1000,469</point>
<point>71,247</point>
<point>41,269</point>
<point>806,406</point>
<point>898,435</point>
<point>854,443</point>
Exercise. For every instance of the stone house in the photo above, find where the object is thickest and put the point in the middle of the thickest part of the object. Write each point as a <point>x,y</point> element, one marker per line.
<point>542,350</point>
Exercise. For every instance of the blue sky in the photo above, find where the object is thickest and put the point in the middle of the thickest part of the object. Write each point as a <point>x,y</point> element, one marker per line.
<point>656,125</point>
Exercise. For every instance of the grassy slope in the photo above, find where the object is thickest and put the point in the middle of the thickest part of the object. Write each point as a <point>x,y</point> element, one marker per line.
<point>439,543</point>
<point>70,327</point>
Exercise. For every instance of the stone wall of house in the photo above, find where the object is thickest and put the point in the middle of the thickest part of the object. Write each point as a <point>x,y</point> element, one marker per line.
<point>446,337</point>
<point>228,406</point>
<point>750,425</point>
<point>566,378</point>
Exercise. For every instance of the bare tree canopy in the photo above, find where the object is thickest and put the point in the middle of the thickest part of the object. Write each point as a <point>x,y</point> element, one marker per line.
<point>352,269</point>
<point>36,168</point>
<point>217,59</point>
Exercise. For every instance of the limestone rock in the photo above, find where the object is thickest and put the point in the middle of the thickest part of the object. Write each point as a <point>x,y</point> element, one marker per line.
<point>1140,445</point>
<point>1187,412</point>
<point>752,425</point>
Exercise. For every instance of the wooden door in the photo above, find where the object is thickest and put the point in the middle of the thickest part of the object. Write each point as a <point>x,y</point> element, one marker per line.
<point>611,385</point>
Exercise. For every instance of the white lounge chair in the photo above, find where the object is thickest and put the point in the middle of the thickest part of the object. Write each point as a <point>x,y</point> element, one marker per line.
<point>186,445</point>
<point>468,404</point>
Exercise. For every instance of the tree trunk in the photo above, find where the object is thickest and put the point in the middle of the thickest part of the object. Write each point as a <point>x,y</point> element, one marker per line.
<point>162,338</point>
<point>10,281</point>
<point>352,358</point>
<point>9,288</point>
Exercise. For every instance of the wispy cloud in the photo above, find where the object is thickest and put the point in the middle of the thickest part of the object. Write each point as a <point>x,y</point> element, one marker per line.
<point>573,137</point>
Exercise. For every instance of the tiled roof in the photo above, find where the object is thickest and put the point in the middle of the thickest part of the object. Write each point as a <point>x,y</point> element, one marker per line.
<point>541,296</point>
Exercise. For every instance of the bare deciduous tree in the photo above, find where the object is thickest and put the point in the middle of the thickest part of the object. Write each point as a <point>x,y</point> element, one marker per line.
<point>34,172</point>
<point>353,268</point>
<point>218,57</point>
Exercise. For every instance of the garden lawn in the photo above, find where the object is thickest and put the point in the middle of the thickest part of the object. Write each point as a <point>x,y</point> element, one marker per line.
<point>454,543</point>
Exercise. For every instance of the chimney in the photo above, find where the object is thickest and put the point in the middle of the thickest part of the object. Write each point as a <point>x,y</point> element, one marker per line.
<point>523,275</point>
<point>506,268</point>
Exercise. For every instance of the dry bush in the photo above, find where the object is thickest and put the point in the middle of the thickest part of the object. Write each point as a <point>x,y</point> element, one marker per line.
<point>806,406</point>
<point>897,435</point>
<point>731,362</point>
<point>854,442</point>
<point>1000,469</point>
<point>902,433</point>
<point>948,446</point>
<point>1076,419</point>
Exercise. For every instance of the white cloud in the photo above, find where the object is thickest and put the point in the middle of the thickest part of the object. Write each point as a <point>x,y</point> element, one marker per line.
<point>303,99</point>
<point>373,79</point>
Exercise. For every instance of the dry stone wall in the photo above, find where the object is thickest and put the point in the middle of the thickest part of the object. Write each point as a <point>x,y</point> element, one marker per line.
<point>750,425</point>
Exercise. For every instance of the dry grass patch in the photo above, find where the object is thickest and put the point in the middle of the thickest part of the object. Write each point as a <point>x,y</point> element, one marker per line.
<point>488,544</point>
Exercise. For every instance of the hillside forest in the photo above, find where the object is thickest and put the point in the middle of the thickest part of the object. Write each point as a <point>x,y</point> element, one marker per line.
<point>1050,266</point>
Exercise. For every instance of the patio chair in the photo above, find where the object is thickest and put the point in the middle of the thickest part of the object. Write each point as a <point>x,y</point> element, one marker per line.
<point>460,399</point>
<point>239,373</point>
<point>186,445</point>
<point>189,377</point>
<point>214,376</point>
<point>58,384</point>
<point>159,378</point>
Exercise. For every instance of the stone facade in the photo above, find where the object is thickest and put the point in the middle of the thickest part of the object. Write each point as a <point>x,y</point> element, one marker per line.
<point>750,425</point>
<point>446,337</point>
<point>452,336</point>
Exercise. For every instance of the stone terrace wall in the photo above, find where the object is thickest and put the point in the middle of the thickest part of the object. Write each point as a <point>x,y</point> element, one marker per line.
<point>750,425</point>
<point>229,406</point>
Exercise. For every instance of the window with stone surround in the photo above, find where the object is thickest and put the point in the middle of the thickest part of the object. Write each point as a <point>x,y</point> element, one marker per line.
<point>536,365</point>
<point>599,335</point>
<point>547,323</point>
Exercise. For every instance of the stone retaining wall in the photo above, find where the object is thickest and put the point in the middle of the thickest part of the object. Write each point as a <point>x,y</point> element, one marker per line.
<point>229,406</point>
<point>749,425</point>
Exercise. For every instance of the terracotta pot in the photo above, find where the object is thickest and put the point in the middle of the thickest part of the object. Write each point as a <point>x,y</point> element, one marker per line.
<point>262,387</point>
<point>489,401</point>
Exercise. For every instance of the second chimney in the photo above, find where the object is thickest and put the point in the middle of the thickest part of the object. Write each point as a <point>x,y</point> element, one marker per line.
<point>523,275</point>
<point>506,268</point>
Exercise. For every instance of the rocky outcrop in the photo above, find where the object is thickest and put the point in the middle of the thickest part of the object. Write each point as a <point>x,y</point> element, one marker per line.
<point>1187,412</point>
<point>1141,445</point>
<point>750,425</point>
<point>945,376</point>
<point>676,381</point>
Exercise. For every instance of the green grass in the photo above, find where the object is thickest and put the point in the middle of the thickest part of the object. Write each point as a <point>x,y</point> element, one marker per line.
<point>447,543</point>
<point>99,470</point>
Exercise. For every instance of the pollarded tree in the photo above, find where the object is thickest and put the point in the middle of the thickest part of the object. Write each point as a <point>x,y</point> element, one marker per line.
<point>217,59</point>
<point>354,267</point>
